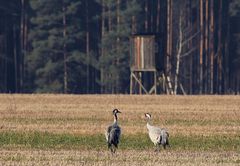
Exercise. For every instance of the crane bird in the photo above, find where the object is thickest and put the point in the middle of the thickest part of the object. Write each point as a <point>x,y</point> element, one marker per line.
<point>113,133</point>
<point>157,135</point>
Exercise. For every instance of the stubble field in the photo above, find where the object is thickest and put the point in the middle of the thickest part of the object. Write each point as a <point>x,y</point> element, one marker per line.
<point>69,129</point>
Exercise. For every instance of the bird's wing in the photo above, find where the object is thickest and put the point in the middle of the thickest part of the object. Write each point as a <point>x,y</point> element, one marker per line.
<point>164,131</point>
<point>107,132</point>
<point>156,130</point>
<point>155,134</point>
<point>114,135</point>
<point>164,136</point>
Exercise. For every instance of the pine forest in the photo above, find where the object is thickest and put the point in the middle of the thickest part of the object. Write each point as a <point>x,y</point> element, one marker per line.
<point>85,46</point>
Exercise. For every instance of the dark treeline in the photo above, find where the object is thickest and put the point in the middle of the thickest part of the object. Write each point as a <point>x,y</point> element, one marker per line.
<point>82,46</point>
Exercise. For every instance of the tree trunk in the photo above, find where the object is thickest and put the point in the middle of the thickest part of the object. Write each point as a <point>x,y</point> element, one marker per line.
<point>110,87</point>
<point>151,9</point>
<point>64,50</point>
<point>169,38</point>
<point>220,48</point>
<point>15,53</point>
<point>117,45</point>
<point>102,49</point>
<point>190,25</point>
<point>87,46</point>
<point>178,54</point>
<point>158,15</point>
<point>201,48</point>
<point>2,62</point>
<point>146,16</point>
<point>134,25</point>
<point>23,36</point>
<point>211,44</point>
<point>206,47</point>
<point>109,19</point>
<point>226,47</point>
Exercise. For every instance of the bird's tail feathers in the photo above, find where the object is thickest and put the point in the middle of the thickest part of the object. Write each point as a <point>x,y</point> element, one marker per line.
<point>164,137</point>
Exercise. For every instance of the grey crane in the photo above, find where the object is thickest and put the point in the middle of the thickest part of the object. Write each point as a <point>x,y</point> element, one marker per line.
<point>113,133</point>
<point>157,135</point>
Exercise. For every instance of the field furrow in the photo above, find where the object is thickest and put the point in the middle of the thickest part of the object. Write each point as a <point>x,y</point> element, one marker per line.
<point>68,129</point>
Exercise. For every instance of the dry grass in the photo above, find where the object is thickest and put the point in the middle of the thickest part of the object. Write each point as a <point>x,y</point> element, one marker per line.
<point>209,116</point>
<point>204,115</point>
<point>103,158</point>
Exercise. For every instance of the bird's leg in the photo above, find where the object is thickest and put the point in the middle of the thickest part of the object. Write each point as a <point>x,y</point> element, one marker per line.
<point>115,148</point>
<point>168,144</point>
<point>157,148</point>
<point>164,146</point>
<point>112,150</point>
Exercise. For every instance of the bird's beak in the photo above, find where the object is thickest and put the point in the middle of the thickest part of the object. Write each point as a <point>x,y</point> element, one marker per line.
<point>119,112</point>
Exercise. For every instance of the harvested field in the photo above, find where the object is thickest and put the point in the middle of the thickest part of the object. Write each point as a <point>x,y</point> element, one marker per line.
<point>68,129</point>
<point>129,157</point>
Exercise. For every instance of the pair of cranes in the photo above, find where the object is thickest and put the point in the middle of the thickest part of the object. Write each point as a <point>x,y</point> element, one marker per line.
<point>157,135</point>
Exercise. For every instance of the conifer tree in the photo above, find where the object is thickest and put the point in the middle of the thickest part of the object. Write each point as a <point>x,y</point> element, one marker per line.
<point>114,61</point>
<point>55,51</point>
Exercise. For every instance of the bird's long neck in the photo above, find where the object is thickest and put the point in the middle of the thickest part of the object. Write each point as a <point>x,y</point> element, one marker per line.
<point>115,118</point>
<point>148,123</point>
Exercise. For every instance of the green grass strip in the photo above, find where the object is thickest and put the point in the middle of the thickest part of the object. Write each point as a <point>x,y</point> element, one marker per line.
<point>47,140</point>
